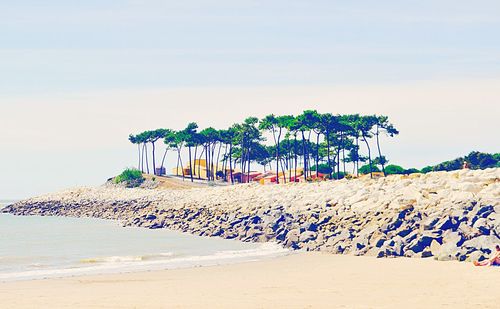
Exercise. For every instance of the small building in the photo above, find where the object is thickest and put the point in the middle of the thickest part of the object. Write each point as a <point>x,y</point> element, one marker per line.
<point>199,169</point>
<point>250,177</point>
<point>160,171</point>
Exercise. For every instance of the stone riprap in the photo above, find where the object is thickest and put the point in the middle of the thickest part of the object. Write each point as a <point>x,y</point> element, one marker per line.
<point>445,215</point>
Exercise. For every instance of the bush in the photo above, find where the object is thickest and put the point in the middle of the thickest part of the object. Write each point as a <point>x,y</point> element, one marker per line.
<point>365,169</point>
<point>477,160</point>
<point>427,169</point>
<point>411,171</point>
<point>394,169</point>
<point>487,161</point>
<point>322,168</point>
<point>130,175</point>
<point>339,175</point>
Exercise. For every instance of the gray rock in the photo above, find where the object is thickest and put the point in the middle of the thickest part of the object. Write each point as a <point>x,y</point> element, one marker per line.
<point>420,243</point>
<point>485,244</point>
<point>291,238</point>
<point>482,226</point>
<point>485,211</point>
<point>475,256</point>
<point>308,236</point>
<point>426,253</point>
<point>447,223</point>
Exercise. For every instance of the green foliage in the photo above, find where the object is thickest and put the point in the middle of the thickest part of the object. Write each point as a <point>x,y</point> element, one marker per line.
<point>380,160</point>
<point>365,169</point>
<point>449,165</point>
<point>427,169</point>
<point>338,175</point>
<point>394,169</point>
<point>309,137</point>
<point>322,168</point>
<point>476,160</point>
<point>130,175</point>
<point>412,171</point>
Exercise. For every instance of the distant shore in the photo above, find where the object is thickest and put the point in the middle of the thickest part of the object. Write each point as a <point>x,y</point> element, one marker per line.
<point>298,281</point>
<point>445,215</point>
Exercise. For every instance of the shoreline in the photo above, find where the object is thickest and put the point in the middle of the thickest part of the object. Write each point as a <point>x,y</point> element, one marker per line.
<point>301,280</point>
<point>444,215</point>
<point>146,250</point>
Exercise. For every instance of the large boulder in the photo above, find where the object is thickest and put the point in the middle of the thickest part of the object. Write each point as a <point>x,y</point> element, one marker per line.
<point>485,244</point>
<point>422,242</point>
<point>307,236</point>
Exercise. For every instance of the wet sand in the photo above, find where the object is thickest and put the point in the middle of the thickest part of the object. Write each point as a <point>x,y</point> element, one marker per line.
<point>305,280</point>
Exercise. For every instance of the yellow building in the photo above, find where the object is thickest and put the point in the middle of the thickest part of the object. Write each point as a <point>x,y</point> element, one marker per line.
<point>199,167</point>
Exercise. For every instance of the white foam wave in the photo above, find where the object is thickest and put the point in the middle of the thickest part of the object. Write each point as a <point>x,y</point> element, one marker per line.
<point>119,259</point>
<point>122,264</point>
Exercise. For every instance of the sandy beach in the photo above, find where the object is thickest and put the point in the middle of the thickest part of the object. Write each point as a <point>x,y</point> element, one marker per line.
<point>304,280</point>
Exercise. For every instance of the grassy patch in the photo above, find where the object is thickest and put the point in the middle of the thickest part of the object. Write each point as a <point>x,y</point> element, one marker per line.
<point>130,175</point>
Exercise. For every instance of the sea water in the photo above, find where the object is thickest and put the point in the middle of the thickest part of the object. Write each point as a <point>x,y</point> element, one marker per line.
<point>36,247</point>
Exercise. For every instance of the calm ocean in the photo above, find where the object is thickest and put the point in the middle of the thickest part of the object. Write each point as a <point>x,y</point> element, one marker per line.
<point>36,247</point>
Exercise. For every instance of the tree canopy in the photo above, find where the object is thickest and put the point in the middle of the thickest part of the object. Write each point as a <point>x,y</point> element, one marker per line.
<point>282,143</point>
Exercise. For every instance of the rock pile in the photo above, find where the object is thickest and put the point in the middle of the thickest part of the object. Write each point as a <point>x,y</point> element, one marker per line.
<point>448,216</point>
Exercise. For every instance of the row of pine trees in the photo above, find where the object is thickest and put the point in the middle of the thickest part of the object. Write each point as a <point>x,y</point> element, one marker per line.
<point>284,143</point>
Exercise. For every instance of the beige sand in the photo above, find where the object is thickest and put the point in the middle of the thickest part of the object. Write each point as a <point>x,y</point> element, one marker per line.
<point>308,280</point>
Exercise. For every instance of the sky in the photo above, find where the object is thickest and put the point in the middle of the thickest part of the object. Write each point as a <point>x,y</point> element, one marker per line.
<point>76,77</point>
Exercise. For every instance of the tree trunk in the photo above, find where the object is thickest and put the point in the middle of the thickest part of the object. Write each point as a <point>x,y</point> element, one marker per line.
<point>178,160</point>
<point>278,160</point>
<point>307,151</point>
<point>288,161</point>
<point>139,156</point>
<point>343,158</point>
<point>248,170</point>
<point>190,165</point>
<point>147,163</point>
<point>231,162</point>
<point>357,155</point>
<point>277,144</point>
<point>163,159</point>
<point>142,157</point>
<point>327,137</point>
<point>199,159</point>
<point>207,155</point>
<point>218,157</point>
<point>194,157</point>
<point>212,166</point>
<point>304,155</point>
<point>317,155</point>
<point>369,156</point>
<point>224,165</point>
<point>379,153</point>
<point>338,153</point>
<point>154,159</point>
<point>182,166</point>
<point>295,157</point>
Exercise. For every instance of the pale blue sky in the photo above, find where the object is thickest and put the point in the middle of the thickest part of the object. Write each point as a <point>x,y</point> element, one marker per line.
<point>75,74</point>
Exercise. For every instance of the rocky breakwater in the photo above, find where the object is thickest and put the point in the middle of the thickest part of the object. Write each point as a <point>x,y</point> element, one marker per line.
<point>445,215</point>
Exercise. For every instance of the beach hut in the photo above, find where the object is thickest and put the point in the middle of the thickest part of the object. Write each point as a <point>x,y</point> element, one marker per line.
<point>160,171</point>
<point>268,179</point>
<point>250,177</point>
<point>296,179</point>
<point>320,176</point>
<point>180,171</point>
<point>299,172</point>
